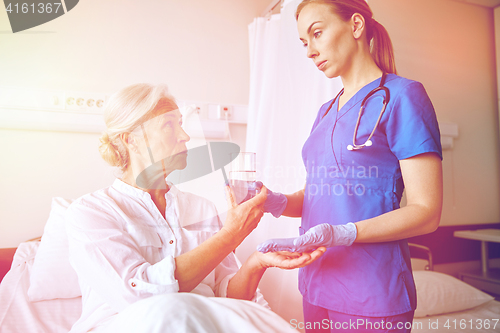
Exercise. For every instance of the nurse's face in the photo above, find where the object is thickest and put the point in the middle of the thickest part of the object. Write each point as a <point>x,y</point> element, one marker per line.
<point>329,40</point>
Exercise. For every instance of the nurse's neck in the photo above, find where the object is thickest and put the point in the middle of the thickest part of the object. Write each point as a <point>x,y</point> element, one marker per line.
<point>359,75</point>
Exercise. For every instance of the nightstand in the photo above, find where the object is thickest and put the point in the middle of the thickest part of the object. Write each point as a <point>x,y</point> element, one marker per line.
<point>487,279</point>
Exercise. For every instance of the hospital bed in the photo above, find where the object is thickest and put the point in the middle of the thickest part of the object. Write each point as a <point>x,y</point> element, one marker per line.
<point>40,294</point>
<point>446,304</point>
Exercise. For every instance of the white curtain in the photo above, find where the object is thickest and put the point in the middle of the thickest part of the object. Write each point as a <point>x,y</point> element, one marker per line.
<point>286,92</point>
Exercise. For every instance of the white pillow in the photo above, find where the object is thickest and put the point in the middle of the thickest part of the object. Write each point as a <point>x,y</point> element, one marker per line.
<point>52,275</point>
<point>439,293</point>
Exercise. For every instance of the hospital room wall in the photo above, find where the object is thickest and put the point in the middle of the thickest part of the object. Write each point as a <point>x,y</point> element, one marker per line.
<point>449,46</point>
<point>198,48</point>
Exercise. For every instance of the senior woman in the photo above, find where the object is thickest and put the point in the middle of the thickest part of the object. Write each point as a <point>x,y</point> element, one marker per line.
<point>131,241</point>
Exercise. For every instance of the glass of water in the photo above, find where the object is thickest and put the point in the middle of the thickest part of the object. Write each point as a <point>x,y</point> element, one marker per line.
<point>242,176</point>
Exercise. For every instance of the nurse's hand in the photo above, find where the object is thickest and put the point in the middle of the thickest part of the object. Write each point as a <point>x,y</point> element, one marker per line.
<point>288,260</point>
<point>321,235</point>
<point>275,202</point>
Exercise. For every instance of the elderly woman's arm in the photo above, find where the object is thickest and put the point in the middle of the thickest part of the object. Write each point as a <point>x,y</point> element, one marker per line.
<point>193,266</point>
<point>246,280</point>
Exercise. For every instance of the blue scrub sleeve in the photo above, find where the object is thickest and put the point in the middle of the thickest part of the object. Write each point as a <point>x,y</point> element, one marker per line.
<point>412,127</point>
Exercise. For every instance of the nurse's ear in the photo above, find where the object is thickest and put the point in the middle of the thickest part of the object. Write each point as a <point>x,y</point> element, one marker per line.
<point>358,25</point>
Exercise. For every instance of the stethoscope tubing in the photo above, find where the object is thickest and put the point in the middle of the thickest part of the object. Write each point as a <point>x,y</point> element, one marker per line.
<point>387,97</point>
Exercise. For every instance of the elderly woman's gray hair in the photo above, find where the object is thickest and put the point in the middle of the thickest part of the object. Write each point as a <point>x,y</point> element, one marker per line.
<point>124,111</point>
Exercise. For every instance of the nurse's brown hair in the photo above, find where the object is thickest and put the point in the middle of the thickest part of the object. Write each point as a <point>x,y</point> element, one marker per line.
<point>376,35</point>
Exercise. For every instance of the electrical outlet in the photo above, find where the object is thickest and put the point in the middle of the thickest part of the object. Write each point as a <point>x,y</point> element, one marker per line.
<point>82,102</point>
<point>224,111</point>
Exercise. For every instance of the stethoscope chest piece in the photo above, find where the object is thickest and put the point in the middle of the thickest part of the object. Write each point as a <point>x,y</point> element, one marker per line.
<point>368,143</point>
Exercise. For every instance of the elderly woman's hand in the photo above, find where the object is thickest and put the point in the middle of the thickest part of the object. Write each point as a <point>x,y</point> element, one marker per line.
<point>242,219</point>
<point>288,260</point>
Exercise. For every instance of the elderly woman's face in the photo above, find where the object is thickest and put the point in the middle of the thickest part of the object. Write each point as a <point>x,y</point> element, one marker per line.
<point>165,138</point>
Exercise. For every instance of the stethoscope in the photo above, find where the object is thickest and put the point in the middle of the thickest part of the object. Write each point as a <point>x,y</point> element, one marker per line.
<point>387,97</point>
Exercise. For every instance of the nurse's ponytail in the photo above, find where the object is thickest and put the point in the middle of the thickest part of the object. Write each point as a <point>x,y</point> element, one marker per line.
<point>381,48</point>
<point>376,35</point>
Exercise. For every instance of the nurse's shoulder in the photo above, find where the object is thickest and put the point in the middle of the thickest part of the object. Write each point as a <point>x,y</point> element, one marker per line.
<point>401,85</point>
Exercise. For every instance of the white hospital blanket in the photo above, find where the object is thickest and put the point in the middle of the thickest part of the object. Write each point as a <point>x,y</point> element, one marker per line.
<point>188,312</point>
<point>178,312</point>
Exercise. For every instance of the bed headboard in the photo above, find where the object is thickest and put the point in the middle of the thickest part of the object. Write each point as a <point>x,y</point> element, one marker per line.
<point>6,256</point>
<point>446,248</point>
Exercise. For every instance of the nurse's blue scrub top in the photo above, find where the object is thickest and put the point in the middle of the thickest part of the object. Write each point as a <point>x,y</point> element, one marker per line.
<point>348,186</point>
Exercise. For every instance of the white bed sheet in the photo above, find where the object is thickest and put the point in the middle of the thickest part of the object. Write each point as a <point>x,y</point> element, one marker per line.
<point>164,313</point>
<point>17,314</point>
<point>477,320</point>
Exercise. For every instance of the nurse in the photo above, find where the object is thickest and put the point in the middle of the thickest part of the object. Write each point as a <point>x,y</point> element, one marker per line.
<point>351,200</point>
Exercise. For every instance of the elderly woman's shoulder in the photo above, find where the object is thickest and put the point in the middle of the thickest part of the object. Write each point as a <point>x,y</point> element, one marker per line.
<point>101,199</point>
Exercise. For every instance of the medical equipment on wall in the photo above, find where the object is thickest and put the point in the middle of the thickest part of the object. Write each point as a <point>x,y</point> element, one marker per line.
<point>387,97</point>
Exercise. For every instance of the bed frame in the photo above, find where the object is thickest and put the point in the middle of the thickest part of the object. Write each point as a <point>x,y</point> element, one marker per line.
<point>449,249</point>
<point>417,250</point>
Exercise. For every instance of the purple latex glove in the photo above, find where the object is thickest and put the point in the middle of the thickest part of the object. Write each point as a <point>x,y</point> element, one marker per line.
<point>325,234</point>
<point>275,202</point>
